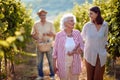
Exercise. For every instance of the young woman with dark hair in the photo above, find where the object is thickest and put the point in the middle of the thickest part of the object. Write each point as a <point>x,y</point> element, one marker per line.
<point>95,33</point>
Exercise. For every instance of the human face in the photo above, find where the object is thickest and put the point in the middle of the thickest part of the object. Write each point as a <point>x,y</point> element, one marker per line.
<point>93,15</point>
<point>69,23</point>
<point>42,15</point>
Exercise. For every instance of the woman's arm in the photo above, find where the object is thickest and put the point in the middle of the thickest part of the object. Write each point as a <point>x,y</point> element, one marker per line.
<point>106,36</point>
<point>55,65</point>
<point>55,48</point>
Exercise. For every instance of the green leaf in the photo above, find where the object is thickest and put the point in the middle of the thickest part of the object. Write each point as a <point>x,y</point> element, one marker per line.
<point>4,43</point>
<point>1,16</point>
<point>10,39</point>
<point>1,54</point>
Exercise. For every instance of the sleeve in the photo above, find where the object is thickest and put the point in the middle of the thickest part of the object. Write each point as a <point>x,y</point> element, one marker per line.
<point>33,31</point>
<point>55,47</point>
<point>81,41</point>
<point>106,35</point>
<point>83,33</point>
<point>52,28</point>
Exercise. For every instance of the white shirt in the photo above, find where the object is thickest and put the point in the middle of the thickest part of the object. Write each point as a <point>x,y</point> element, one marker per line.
<point>95,42</point>
<point>69,46</point>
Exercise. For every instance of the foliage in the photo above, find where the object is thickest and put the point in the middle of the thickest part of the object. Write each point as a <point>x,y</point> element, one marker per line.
<point>81,13</point>
<point>114,28</point>
<point>57,23</point>
<point>15,27</point>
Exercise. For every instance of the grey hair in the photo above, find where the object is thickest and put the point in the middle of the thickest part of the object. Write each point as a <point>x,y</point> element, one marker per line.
<point>65,18</point>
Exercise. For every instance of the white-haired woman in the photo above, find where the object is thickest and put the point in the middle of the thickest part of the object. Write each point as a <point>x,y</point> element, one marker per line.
<point>67,49</point>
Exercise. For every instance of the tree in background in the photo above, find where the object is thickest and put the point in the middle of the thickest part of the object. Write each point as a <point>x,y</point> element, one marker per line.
<point>15,27</point>
<point>81,13</point>
<point>113,17</point>
<point>57,22</point>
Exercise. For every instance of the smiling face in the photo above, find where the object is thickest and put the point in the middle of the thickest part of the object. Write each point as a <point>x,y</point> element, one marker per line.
<point>69,23</point>
<point>93,15</point>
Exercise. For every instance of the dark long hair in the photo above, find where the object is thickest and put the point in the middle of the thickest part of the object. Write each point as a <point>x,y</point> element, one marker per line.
<point>99,19</point>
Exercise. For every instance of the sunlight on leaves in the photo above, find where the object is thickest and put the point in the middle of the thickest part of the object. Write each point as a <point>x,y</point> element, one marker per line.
<point>31,54</point>
<point>1,54</point>
<point>4,43</point>
<point>11,39</point>
<point>22,30</point>
<point>20,38</point>
<point>106,77</point>
<point>1,16</point>
<point>17,33</point>
<point>14,47</point>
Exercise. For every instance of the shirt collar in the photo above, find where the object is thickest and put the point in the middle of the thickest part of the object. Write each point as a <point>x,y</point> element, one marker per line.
<point>64,33</point>
<point>104,23</point>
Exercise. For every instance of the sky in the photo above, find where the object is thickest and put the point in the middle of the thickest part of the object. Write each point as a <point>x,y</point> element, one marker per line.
<point>53,7</point>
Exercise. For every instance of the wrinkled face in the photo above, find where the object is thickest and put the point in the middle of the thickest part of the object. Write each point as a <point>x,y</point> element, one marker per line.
<point>69,23</point>
<point>42,15</point>
<point>93,15</point>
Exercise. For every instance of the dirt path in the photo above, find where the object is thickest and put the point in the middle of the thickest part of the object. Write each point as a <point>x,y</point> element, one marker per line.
<point>28,69</point>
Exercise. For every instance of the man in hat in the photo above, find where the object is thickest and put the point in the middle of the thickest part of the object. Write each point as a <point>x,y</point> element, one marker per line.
<point>43,31</point>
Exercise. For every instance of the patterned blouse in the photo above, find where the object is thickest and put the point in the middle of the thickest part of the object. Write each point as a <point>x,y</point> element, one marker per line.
<point>59,52</point>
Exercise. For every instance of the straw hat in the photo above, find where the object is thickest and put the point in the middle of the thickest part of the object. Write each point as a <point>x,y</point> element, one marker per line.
<point>40,11</point>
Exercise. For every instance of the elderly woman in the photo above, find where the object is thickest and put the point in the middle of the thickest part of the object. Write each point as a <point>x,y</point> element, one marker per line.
<point>67,49</point>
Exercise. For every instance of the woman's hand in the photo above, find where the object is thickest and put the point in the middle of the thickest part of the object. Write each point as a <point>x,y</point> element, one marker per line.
<point>71,53</point>
<point>55,69</point>
<point>55,66</point>
<point>79,50</point>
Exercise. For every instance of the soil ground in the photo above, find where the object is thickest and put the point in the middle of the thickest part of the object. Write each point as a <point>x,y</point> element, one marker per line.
<point>27,70</point>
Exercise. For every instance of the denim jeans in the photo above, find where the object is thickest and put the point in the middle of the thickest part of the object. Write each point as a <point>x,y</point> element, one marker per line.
<point>40,58</point>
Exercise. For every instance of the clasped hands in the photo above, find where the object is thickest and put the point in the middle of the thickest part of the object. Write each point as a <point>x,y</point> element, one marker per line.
<point>77,51</point>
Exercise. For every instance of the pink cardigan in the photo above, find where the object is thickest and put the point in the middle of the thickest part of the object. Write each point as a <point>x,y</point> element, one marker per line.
<point>59,52</point>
